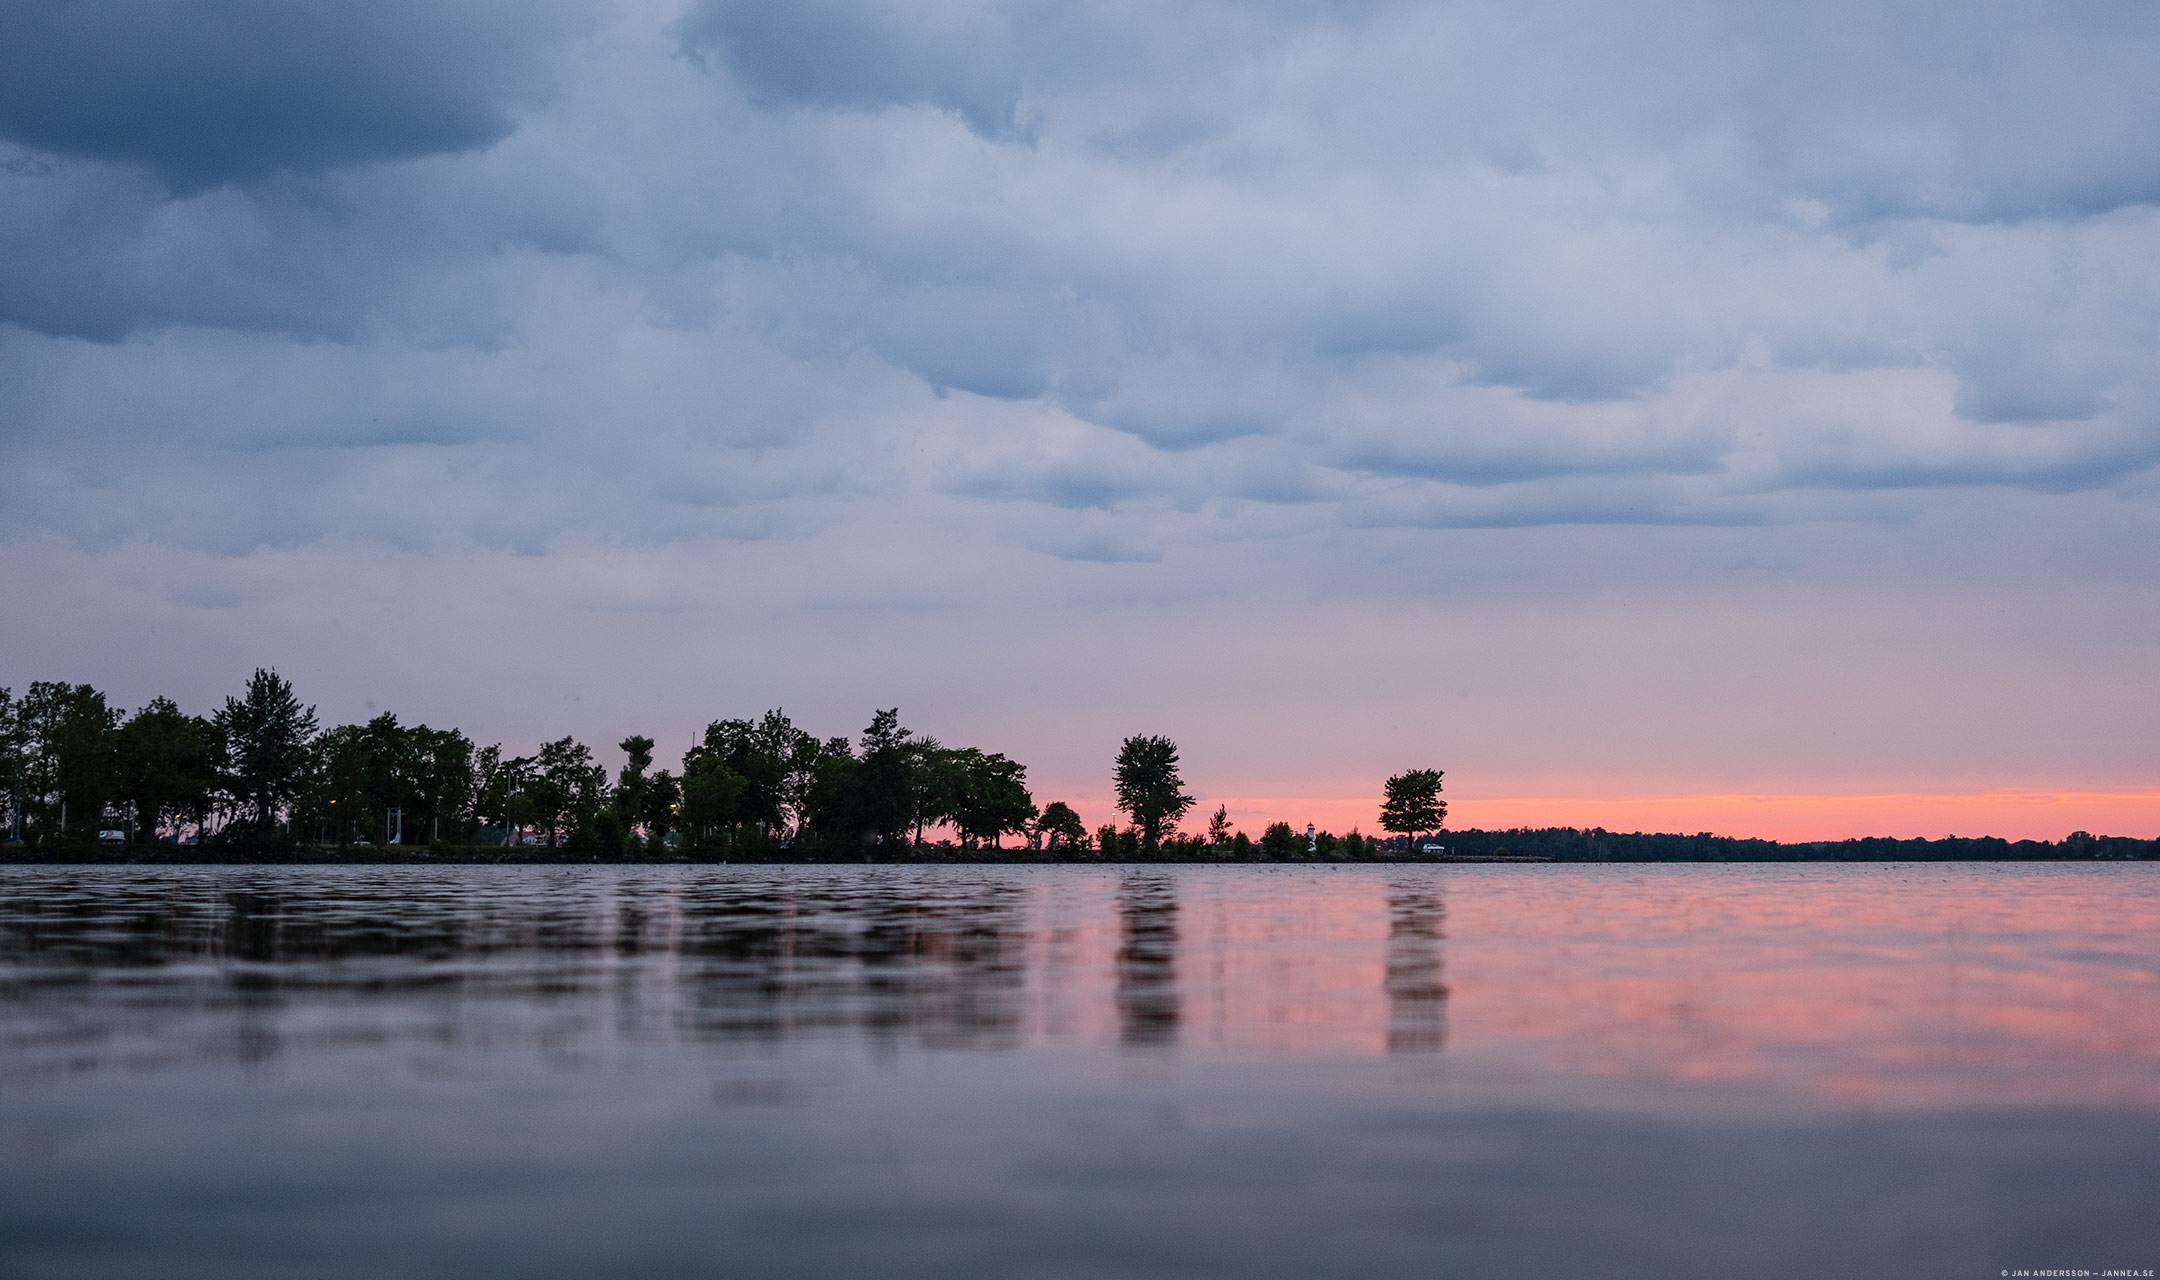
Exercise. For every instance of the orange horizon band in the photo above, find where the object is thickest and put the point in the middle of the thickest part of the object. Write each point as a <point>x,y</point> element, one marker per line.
<point>2010,813</point>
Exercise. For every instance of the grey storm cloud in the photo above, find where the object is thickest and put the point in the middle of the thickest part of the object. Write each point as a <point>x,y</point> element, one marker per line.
<point>202,92</point>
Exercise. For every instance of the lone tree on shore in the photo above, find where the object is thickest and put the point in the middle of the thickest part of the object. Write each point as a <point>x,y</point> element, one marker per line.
<point>266,733</point>
<point>1413,804</point>
<point>1149,788</point>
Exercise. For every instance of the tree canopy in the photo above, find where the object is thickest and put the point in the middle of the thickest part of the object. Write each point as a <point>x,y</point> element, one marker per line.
<point>266,733</point>
<point>1149,788</point>
<point>1412,803</point>
<point>1060,824</point>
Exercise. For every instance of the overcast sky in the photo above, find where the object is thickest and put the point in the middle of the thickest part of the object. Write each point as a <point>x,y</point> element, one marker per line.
<point>1597,401</point>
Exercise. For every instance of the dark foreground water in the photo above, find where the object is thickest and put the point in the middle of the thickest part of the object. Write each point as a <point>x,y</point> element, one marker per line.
<point>1433,1071</point>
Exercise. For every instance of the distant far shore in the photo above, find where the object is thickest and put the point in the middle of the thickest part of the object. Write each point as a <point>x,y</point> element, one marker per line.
<point>1531,845</point>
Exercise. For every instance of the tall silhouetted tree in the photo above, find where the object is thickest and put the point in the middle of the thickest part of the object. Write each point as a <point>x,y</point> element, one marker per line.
<point>885,783</point>
<point>632,784</point>
<point>1149,788</point>
<point>266,733</point>
<point>1413,804</point>
<point>1218,825</point>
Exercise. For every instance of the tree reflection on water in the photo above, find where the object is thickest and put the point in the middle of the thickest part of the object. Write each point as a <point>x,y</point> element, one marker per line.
<point>1417,1000</point>
<point>1875,984</point>
<point>1147,990</point>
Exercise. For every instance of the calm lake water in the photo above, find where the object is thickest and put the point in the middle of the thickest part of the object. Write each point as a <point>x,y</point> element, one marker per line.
<point>1680,1070</point>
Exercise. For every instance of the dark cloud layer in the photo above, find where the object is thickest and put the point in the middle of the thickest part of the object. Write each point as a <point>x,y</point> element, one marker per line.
<point>202,92</point>
<point>1111,283</point>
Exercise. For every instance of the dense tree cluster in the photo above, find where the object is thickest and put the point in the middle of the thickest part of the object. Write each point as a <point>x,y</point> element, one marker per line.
<point>70,765</point>
<point>74,770</point>
<point>260,774</point>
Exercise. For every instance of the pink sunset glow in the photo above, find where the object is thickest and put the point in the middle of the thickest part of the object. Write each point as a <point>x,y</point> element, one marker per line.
<point>1790,817</point>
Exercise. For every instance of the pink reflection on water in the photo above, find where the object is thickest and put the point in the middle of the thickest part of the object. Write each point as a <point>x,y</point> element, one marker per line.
<point>1876,986</point>
<point>1893,986</point>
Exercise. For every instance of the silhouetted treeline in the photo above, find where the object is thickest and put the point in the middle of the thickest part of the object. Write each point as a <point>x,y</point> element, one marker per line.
<point>258,779</point>
<point>258,775</point>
